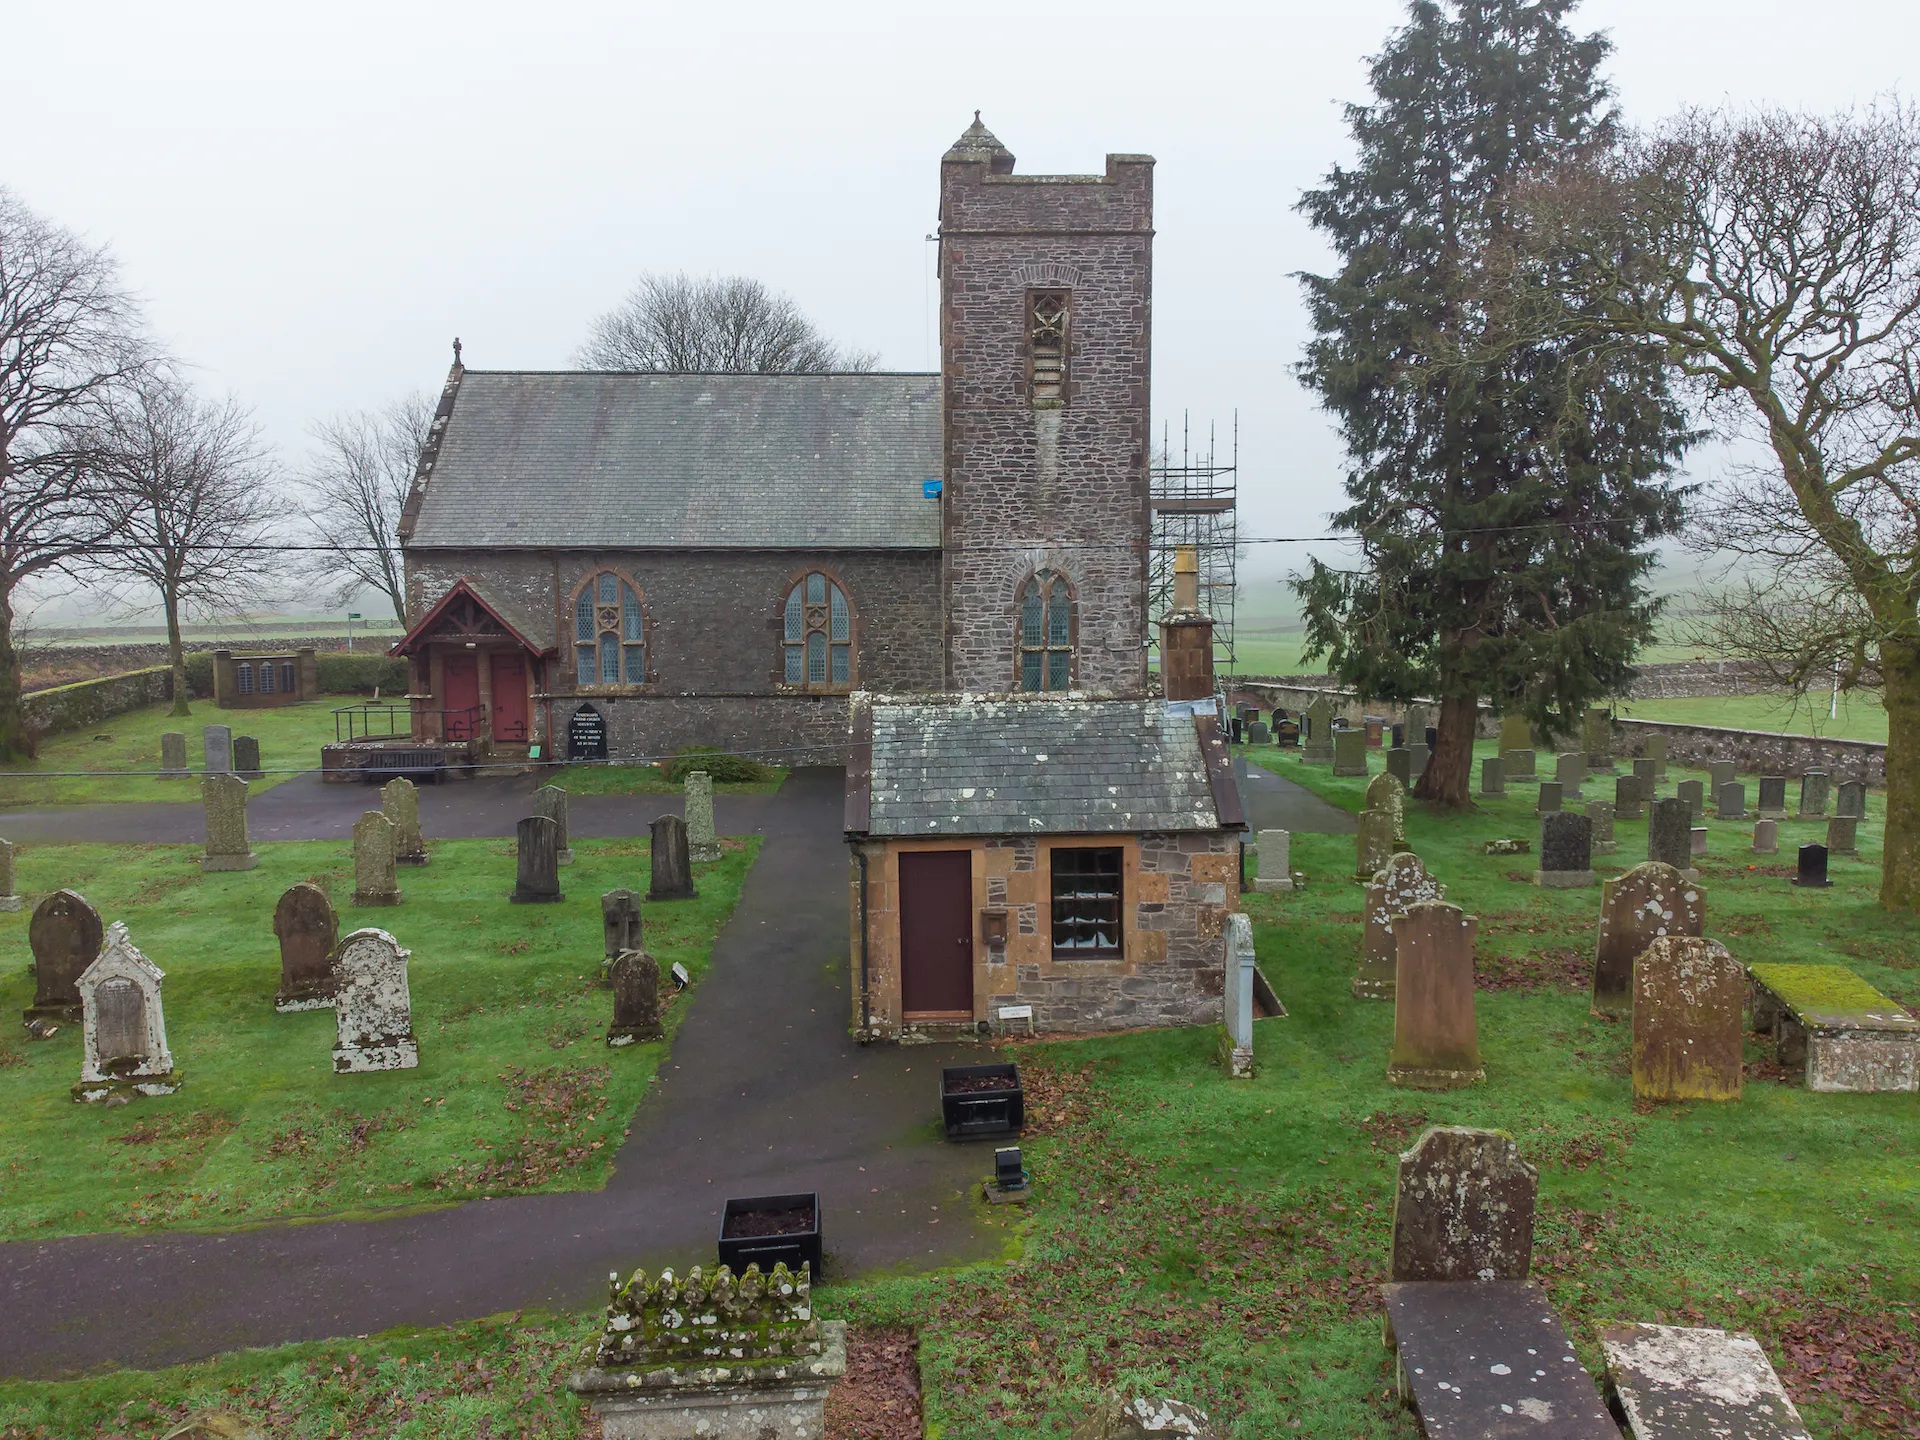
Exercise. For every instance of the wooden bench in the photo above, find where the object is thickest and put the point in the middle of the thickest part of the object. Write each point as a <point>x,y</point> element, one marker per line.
<point>1828,1022</point>
<point>1674,1382</point>
<point>1478,1360</point>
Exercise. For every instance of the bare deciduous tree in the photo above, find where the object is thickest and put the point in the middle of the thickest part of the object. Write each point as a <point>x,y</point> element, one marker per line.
<point>726,325</point>
<point>356,486</point>
<point>193,497</point>
<point>68,340</point>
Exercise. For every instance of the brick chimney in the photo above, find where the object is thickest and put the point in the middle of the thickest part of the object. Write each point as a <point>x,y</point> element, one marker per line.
<point>1186,635</point>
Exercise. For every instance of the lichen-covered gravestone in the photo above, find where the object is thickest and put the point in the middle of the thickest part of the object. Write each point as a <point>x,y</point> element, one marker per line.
<point>1647,903</point>
<point>1814,787</point>
<point>1275,859</point>
<point>1629,800</point>
<point>1520,765</point>
<point>400,803</point>
<point>537,848</point>
<point>1669,836</point>
<point>551,802</point>
<point>1596,738</point>
<point>620,923</point>
<point>1382,828</point>
<point>702,843</point>
<point>9,896</point>
<point>1551,795</point>
<point>1349,752</point>
<point>1570,769</point>
<point>1463,1208</point>
<point>65,937</point>
<point>1688,995</point>
<point>1400,882</point>
<point>1566,852</point>
<point>1730,801</point>
<point>1695,796</point>
<point>1852,799</point>
<point>1493,776</point>
<point>1600,815</point>
<point>1693,1383</point>
<point>1516,733</point>
<point>124,1029</point>
<point>225,800</point>
<point>374,882</point>
<point>372,1007</point>
<point>1143,1417</point>
<point>636,999</point>
<point>173,756</point>
<point>1843,835</point>
<point>216,742</point>
<point>308,930</point>
<point>671,875</point>
<point>246,757</point>
<point>1435,1040</point>
<point>1772,804</point>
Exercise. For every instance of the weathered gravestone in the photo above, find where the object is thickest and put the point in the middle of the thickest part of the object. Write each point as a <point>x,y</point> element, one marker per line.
<point>1656,750</point>
<point>1772,802</point>
<point>308,930</point>
<point>1644,770</point>
<point>1493,776</point>
<point>1317,738</point>
<point>1843,835</point>
<point>1852,799</point>
<point>372,1006</point>
<point>1646,904</point>
<point>1596,738</point>
<point>1382,828</point>
<point>1400,765</point>
<point>400,803</point>
<point>1730,801</point>
<point>1669,837</point>
<point>9,896</point>
<point>1566,852</point>
<point>636,999</point>
<point>123,1029</point>
<point>1421,753</point>
<point>702,843</point>
<point>216,743</point>
<point>671,876</point>
<point>173,756</point>
<point>374,882</point>
<point>1688,999</point>
<point>1601,814</point>
<point>1766,837</point>
<point>1548,802</point>
<point>1629,799</point>
<point>1720,772</point>
<point>1435,1043</point>
<point>214,1425</point>
<point>1143,1417</point>
<point>1674,1382</point>
<point>1463,1208</point>
<point>1698,838</point>
<point>1259,734</point>
<point>1274,855</point>
<point>537,876</point>
<point>1814,790</point>
<point>1570,768</point>
<point>65,937</point>
<point>1236,1040</point>
<point>246,757</point>
<point>620,924</point>
<point>1520,765</point>
<point>1350,752</point>
<point>225,800</point>
<point>1515,733</point>
<point>551,801</point>
<point>1695,796</point>
<point>1401,882</point>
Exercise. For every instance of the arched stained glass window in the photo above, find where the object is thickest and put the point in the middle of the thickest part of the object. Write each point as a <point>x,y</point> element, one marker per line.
<point>609,633</point>
<point>817,635</point>
<point>1045,649</point>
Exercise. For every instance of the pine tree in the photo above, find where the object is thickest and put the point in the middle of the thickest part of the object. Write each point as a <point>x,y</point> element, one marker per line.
<point>1505,493</point>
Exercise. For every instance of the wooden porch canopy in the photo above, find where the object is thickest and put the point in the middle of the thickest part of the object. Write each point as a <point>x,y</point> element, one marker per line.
<point>464,616</point>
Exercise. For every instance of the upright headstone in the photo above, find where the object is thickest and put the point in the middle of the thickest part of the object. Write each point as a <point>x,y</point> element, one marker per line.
<point>1688,994</point>
<point>1430,737</point>
<point>1720,772</point>
<point>246,757</point>
<point>216,742</point>
<point>1397,736</point>
<point>1317,739</point>
<point>1600,813</point>
<point>1814,789</point>
<point>1400,765</point>
<point>551,801</point>
<point>1421,753</point>
<point>1274,853</point>
<point>672,869</point>
<point>1596,738</point>
<point>1463,1208</point>
<point>1550,798</point>
<point>537,875</point>
<point>636,999</point>
<point>1515,733</point>
<point>1629,800</point>
<point>1401,882</point>
<point>1382,828</point>
<point>173,756</point>
<point>1766,837</point>
<point>1813,868</point>
<point>1656,750</point>
<point>224,797</point>
<point>1236,1041</point>
<point>308,930</point>
<point>372,1007</point>
<point>1695,796</point>
<point>1730,801</point>
<point>1772,804</point>
<point>1493,776</point>
<point>702,844</point>
<point>1852,799</point>
<point>65,937</point>
<point>9,895</point>
<point>1260,734</point>
<point>1843,835</point>
<point>1566,852</point>
<point>1435,1043</point>
<point>1570,768</point>
<point>1636,909</point>
<point>374,882</point>
<point>1350,752</point>
<point>620,925</point>
<point>400,803</point>
<point>123,1027</point>
<point>1669,837</point>
<point>1697,840</point>
<point>1520,765</point>
<point>1644,770</point>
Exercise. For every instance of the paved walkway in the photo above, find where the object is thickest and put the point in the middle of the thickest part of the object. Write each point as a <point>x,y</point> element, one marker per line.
<point>762,1093</point>
<point>1276,803</point>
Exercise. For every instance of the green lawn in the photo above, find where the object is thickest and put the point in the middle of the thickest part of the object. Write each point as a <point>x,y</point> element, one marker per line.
<point>1861,717</point>
<point>1223,1240</point>
<point>515,1091</point>
<point>647,780</point>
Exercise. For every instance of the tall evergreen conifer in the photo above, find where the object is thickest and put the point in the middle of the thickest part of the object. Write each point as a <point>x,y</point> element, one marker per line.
<point>1504,493</point>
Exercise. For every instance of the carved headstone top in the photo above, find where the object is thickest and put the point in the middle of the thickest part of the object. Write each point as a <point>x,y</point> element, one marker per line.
<point>372,1005</point>
<point>1649,901</point>
<point>65,936</point>
<point>620,922</point>
<point>636,999</point>
<point>1463,1210</point>
<point>125,1029</point>
<point>225,799</point>
<point>308,930</point>
<point>400,803</point>
<point>1688,997</point>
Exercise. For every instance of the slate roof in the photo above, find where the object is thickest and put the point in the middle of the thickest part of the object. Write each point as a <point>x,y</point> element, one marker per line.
<point>1010,766</point>
<point>588,460</point>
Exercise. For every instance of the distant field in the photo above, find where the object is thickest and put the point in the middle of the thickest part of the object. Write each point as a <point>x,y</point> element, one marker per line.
<point>1277,652</point>
<point>198,635</point>
<point>1860,718</point>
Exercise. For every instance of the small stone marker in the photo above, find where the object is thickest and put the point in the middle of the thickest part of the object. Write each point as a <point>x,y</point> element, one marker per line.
<point>551,801</point>
<point>1813,795</point>
<point>1695,795</point>
<point>1766,837</point>
<point>1274,855</point>
<point>1629,799</point>
<point>1463,1208</point>
<point>372,1007</point>
<point>1697,840</point>
<point>1601,814</point>
<point>620,924</point>
<point>1566,852</point>
<point>1843,836</point>
<point>224,797</point>
<point>124,1029</point>
<point>246,757</point>
<point>636,999</point>
<point>173,756</point>
<point>1143,1417</point>
<point>308,930</point>
<point>1669,837</point>
<point>1400,765</point>
<point>1570,768</point>
<point>1435,1043</point>
<point>537,877</point>
<point>1647,903</point>
<point>1688,999</point>
<point>1645,771</point>
<point>1515,733</point>
<point>1730,801</point>
<point>216,741</point>
<point>373,878</point>
<point>9,896</point>
<point>1421,753</point>
<point>1680,1383</point>
<point>1350,752</point>
<point>1813,868</point>
<point>1493,776</point>
<point>1520,764</point>
<point>671,875</point>
<point>1401,882</point>
<point>1852,799</point>
<point>65,937</point>
<point>1846,1035</point>
<point>1550,797</point>
<point>1656,750</point>
<point>702,843</point>
<point>1720,772</point>
<point>1596,738</point>
<point>1772,804</point>
<point>1236,1041</point>
<point>400,803</point>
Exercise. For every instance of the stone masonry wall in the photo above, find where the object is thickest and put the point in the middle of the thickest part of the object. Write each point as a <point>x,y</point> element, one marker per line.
<point>1057,488</point>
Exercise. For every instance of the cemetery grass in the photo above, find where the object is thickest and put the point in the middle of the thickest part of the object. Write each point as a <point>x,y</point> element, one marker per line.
<point>1861,717</point>
<point>126,745</point>
<point>649,780</point>
<point>515,1093</point>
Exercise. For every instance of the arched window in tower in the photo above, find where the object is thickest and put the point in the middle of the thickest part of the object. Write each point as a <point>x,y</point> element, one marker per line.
<point>1045,623</point>
<point>1047,313</point>
<point>609,632</point>
<point>817,635</point>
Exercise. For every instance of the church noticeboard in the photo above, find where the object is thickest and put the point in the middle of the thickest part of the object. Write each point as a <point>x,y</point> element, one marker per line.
<point>587,735</point>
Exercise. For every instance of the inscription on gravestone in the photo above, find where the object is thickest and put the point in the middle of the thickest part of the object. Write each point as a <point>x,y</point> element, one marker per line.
<point>1813,794</point>
<point>1648,902</point>
<point>400,803</point>
<point>1688,996</point>
<point>374,882</point>
<point>1274,855</point>
<point>1669,838</point>
<point>1350,752</point>
<point>1852,800</point>
<point>586,734</point>
<point>636,999</point>
<point>224,798</point>
<point>1519,764</point>
<point>1435,1042</point>
<point>1463,1208</point>
<point>216,742</point>
<point>372,1007</point>
<point>1566,851</point>
<point>124,1029</point>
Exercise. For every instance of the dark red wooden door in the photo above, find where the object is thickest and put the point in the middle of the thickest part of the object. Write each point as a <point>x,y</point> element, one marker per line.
<point>936,932</point>
<point>509,697</point>
<point>461,679</point>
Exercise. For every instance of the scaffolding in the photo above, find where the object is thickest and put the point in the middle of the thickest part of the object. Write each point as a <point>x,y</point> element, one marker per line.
<point>1194,503</point>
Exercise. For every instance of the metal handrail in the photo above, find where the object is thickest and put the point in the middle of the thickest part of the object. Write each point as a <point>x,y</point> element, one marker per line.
<point>375,721</point>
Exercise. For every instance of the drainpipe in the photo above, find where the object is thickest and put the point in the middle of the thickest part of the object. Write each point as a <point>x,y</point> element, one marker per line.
<point>866,1011</point>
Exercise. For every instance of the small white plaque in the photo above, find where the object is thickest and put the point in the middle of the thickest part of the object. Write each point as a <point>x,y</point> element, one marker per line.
<point>680,976</point>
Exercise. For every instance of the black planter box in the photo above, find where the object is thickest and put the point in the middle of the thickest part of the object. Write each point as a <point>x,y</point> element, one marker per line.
<point>982,1114</point>
<point>793,1249</point>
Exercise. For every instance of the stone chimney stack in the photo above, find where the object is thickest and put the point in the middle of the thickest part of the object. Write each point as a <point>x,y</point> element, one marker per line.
<point>1186,635</point>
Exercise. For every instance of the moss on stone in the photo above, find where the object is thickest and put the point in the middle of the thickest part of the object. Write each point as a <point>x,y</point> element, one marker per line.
<point>1825,994</point>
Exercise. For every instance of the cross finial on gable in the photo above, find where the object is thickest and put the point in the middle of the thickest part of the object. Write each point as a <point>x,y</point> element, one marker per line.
<point>456,349</point>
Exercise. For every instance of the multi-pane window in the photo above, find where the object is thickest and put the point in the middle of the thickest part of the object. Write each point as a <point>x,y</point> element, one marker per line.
<point>817,638</point>
<point>609,633</point>
<point>1086,903</point>
<point>1046,634</point>
<point>243,679</point>
<point>1047,345</point>
<point>266,678</point>
<point>287,684</point>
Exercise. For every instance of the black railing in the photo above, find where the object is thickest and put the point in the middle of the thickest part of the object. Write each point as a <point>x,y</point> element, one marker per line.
<point>375,721</point>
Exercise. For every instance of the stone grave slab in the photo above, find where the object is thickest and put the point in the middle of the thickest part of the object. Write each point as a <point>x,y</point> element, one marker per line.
<point>1566,852</point>
<point>1675,1382</point>
<point>1422,752</point>
<point>1656,750</point>
<point>224,797</point>
<point>1493,776</point>
<point>1317,737</point>
<point>1695,794</point>
<point>1376,838</point>
<point>400,803</point>
<point>1670,836</point>
<point>1259,733</point>
<point>1596,738</point>
<point>1273,853</point>
<point>216,743</point>
<point>1401,882</point>
<point>551,801</point>
<point>1570,769</point>
<point>1766,837</point>
<point>1629,799</point>
<point>1600,813</point>
<point>246,757</point>
<point>1843,835</point>
<point>373,861</point>
<point>1120,1416</point>
<point>173,756</point>
<point>1812,873</point>
<point>1463,1207</point>
<point>1647,773</point>
<point>1851,799</point>
<point>1236,1035</point>
<point>1697,840</point>
<point>9,896</point>
<point>1648,902</point>
<point>372,1006</point>
<point>1436,1043</point>
<point>702,843</point>
<point>1521,765</point>
<point>671,869</point>
<point>636,999</point>
<point>307,930</point>
<point>1730,801</point>
<point>620,923</point>
<point>1515,733</point>
<point>1815,791</point>
<point>124,1027</point>
<point>65,936</point>
<point>1689,996</point>
<point>537,862</point>
<point>1350,752</point>
<point>1845,1034</point>
<point>1720,772</point>
<point>1400,765</point>
<point>1772,801</point>
<point>1551,796</point>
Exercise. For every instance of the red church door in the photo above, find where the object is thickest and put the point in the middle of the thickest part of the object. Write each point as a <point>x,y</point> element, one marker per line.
<point>510,697</point>
<point>936,933</point>
<point>461,682</point>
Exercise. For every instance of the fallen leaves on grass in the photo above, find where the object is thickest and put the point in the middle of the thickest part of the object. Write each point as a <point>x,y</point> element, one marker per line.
<point>557,1105</point>
<point>1391,1132</point>
<point>1562,968</point>
<point>879,1397</point>
<point>1865,1362</point>
<point>1058,1098</point>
